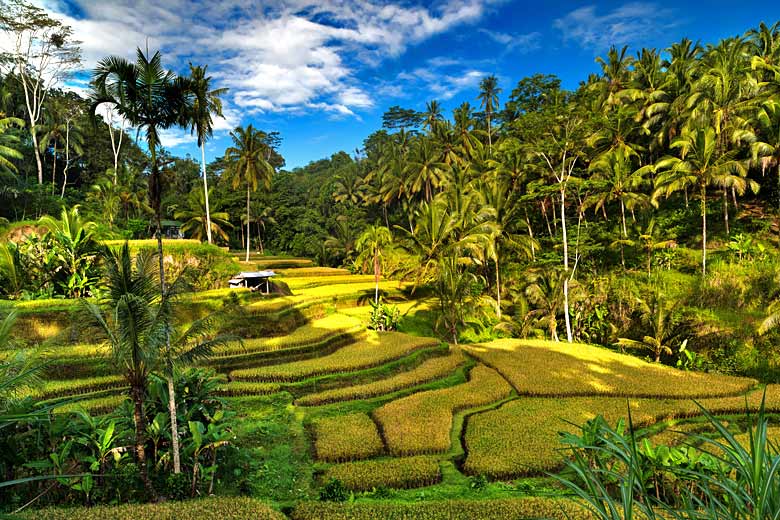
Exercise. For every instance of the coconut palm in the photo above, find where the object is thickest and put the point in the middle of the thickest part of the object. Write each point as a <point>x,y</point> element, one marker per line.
<point>349,186</point>
<point>766,148</point>
<point>371,246</point>
<point>488,99</point>
<point>424,168</point>
<point>196,220</point>
<point>8,144</point>
<point>247,164</point>
<point>432,115</point>
<point>648,240</point>
<point>700,165</point>
<point>152,99</point>
<point>545,291</point>
<point>665,328</point>
<point>205,103</point>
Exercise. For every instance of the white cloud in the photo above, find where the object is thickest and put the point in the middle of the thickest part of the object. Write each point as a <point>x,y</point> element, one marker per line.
<point>522,43</point>
<point>442,86</point>
<point>632,22</point>
<point>175,137</point>
<point>288,56</point>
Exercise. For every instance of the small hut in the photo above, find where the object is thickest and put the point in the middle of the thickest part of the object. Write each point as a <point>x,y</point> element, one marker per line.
<point>254,280</point>
<point>171,229</point>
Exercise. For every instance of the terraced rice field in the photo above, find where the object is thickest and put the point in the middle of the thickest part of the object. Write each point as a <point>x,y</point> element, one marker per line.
<point>392,410</point>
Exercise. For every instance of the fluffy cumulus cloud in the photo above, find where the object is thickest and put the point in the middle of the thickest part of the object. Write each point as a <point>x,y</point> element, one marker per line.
<point>275,56</point>
<point>633,22</point>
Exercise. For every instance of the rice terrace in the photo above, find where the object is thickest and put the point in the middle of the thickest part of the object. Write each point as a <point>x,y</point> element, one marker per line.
<point>520,296</point>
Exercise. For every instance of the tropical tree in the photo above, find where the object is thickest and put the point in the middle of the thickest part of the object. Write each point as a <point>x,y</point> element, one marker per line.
<point>8,144</point>
<point>424,168</point>
<point>196,220</point>
<point>134,318</point>
<point>700,165</point>
<point>666,330</point>
<point>247,164</point>
<point>488,99</point>
<point>649,240</point>
<point>458,299</point>
<point>152,99</point>
<point>371,247</point>
<point>766,149</point>
<point>545,291</point>
<point>78,250</point>
<point>205,102</point>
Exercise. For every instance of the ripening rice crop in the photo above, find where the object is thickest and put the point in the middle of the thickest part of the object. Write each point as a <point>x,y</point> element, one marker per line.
<point>242,388</point>
<point>311,271</point>
<point>529,508</point>
<point>427,371</point>
<point>314,332</point>
<point>404,472</point>
<point>96,405</point>
<point>329,293</point>
<point>421,423</point>
<point>376,349</point>
<point>546,368</point>
<point>307,282</point>
<point>224,508</point>
<point>521,436</point>
<point>60,388</point>
<point>346,437</point>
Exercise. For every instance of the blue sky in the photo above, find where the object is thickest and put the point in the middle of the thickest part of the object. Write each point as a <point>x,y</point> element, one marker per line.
<point>323,72</point>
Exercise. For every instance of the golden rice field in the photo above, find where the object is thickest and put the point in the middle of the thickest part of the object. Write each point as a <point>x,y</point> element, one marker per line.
<point>346,437</point>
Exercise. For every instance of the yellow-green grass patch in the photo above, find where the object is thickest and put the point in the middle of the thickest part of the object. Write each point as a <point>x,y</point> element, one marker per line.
<point>313,332</point>
<point>427,371</point>
<point>346,438</point>
<point>547,368</point>
<point>306,282</point>
<point>403,472</point>
<point>421,423</point>
<point>521,437</point>
<point>378,348</point>
<point>311,271</point>
<point>530,508</point>
<point>224,508</point>
<point>242,388</point>
<point>65,387</point>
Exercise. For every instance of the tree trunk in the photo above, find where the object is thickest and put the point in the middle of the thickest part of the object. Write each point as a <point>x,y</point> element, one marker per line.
<point>565,265</point>
<point>169,360</point>
<point>247,223</point>
<point>54,168</point>
<point>498,287</point>
<point>625,233</point>
<point>38,161</point>
<point>140,438</point>
<point>205,189</point>
<point>530,235</point>
<point>726,209</point>
<point>376,278</point>
<point>704,230</point>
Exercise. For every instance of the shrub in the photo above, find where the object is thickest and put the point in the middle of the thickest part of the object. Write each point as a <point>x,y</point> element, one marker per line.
<point>334,491</point>
<point>427,371</point>
<point>421,423</point>
<point>405,472</point>
<point>383,316</point>
<point>346,438</point>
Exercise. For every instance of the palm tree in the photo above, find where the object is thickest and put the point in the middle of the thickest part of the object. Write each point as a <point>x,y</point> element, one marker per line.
<point>488,97</point>
<point>432,115</point>
<point>152,99</point>
<point>349,186</point>
<point>8,143</point>
<point>197,222</point>
<point>616,179</point>
<point>700,166</point>
<point>205,102</point>
<point>648,240</point>
<point>659,316</point>
<point>370,247</point>
<point>766,148</point>
<point>78,249</point>
<point>455,291</point>
<point>136,324</point>
<point>247,162</point>
<point>545,291</point>
<point>424,168</point>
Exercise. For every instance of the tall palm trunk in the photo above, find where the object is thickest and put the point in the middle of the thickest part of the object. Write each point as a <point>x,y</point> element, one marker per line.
<point>140,436</point>
<point>54,168</point>
<point>205,189</point>
<point>625,233</point>
<point>565,265</point>
<point>726,209</point>
<point>247,222</point>
<point>377,274</point>
<point>498,286</point>
<point>704,230</point>
<point>168,355</point>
